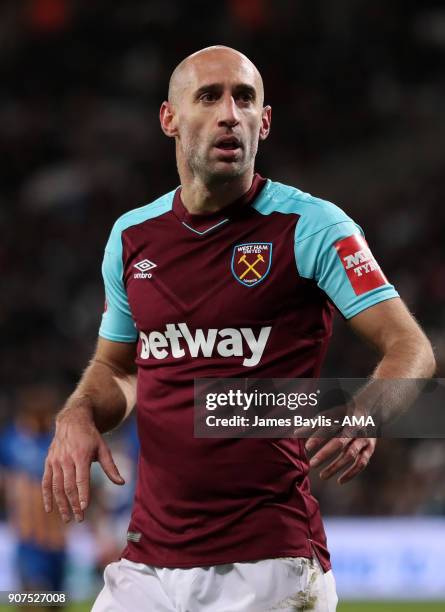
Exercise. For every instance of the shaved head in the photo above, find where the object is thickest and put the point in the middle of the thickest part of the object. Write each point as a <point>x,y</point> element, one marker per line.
<point>184,73</point>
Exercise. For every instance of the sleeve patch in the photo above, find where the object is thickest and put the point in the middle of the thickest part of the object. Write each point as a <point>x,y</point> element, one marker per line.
<point>364,273</point>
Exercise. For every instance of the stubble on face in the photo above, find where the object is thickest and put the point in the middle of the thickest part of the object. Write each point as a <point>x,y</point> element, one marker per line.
<point>203,162</point>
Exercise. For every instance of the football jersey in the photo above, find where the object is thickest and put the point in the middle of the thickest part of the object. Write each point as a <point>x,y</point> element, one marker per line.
<point>248,291</point>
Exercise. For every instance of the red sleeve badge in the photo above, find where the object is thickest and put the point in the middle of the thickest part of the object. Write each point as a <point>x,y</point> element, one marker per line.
<point>363,271</point>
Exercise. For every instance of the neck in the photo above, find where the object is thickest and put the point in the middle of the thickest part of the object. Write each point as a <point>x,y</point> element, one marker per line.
<point>202,198</point>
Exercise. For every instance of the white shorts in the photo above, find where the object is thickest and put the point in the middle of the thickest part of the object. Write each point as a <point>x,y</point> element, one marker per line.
<point>287,584</point>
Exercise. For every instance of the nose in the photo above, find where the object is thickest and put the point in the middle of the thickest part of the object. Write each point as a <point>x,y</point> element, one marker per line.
<point>228,112</point>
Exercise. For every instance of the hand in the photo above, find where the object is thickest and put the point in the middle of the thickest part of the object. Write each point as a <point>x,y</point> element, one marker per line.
<point>352,452</point>
<point>76,444</point>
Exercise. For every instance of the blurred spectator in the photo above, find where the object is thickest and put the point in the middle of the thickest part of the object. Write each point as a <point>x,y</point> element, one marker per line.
<point>41,537</point>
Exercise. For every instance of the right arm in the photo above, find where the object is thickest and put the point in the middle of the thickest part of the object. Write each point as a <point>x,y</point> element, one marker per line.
<point>103,398</point>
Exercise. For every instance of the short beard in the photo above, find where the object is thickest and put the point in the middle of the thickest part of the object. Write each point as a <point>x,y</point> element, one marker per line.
<point>209,176</point>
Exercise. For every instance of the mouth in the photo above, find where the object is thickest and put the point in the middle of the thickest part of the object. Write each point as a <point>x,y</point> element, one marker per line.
<point>228,144</point>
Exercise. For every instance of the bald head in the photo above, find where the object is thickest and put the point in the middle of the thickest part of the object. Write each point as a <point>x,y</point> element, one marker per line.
<point>187,71</point>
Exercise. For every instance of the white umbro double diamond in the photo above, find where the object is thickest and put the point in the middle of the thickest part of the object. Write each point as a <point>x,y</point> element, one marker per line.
<point>144,266</point>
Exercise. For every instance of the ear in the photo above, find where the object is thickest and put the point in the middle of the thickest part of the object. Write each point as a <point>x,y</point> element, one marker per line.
<point>167,118</point>
<point>266,119</point>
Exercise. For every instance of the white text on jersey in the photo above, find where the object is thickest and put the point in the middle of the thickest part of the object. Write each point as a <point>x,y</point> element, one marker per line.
<point>364,257</point>
<point>227,342</point>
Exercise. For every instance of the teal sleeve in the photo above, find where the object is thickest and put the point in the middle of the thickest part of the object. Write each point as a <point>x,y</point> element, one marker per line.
<point>117,322</point>
<point>318,258</point>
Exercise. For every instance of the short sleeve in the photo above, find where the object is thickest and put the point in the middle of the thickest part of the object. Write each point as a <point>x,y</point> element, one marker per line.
<point>338,258</point>
<point>117,322</point>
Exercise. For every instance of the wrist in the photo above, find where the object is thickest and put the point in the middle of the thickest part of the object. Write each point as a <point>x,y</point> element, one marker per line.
<point>78,409</point>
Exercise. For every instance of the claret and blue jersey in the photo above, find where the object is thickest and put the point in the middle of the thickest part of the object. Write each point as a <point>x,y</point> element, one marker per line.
<point>248,291</point>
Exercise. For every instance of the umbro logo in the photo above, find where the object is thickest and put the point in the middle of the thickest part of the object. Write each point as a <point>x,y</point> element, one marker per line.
<point>144,266</point>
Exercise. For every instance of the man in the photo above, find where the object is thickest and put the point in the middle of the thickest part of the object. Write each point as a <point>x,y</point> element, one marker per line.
<point>229,276</point>
<point>41,539</point>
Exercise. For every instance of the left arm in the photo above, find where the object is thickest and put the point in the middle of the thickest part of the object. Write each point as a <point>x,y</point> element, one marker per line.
<point>405,353</point>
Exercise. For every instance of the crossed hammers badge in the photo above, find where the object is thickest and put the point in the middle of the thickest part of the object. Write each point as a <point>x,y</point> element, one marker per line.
<point>251,262</point>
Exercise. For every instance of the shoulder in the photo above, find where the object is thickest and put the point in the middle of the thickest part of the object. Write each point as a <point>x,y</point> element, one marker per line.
<point>139,215</point>
<point>315,214</point>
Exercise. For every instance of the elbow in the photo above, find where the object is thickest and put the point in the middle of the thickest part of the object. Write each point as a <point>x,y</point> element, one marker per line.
<point>413,356</point>
<point>429,359</point>
<point>425,357</point>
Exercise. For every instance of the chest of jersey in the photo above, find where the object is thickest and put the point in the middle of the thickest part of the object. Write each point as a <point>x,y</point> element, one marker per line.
<point>228,292</point>
<point>239,274</point>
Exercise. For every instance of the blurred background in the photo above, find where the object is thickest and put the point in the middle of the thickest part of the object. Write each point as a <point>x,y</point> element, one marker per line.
<point>358,95</point>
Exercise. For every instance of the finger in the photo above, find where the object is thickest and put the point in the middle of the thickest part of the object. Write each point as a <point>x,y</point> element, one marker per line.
<point>83,483</point>
<point>347,456</point>
<point>109,467</point>
<point>303,431</point>
<point>358,466</point>
<point>327,429</point>
<point>330,448</point>
<point>59,493</point>
<point>70,487</point>
<point>321,436</point>
<point>372,443</point>
<point>47,481</point>
<point>314,442</point>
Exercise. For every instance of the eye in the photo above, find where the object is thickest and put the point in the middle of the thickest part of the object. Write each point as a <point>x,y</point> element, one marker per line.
<point>245,97</point>
<point>208,97</point>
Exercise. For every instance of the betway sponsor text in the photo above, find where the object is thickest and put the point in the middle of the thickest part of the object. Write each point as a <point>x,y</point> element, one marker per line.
<point>177,340</point>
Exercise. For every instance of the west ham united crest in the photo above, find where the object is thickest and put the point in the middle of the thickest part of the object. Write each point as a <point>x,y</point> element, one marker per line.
<point>251,262</point>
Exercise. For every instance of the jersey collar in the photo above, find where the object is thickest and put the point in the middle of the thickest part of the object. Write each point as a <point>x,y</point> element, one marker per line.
<point>201,224</point>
